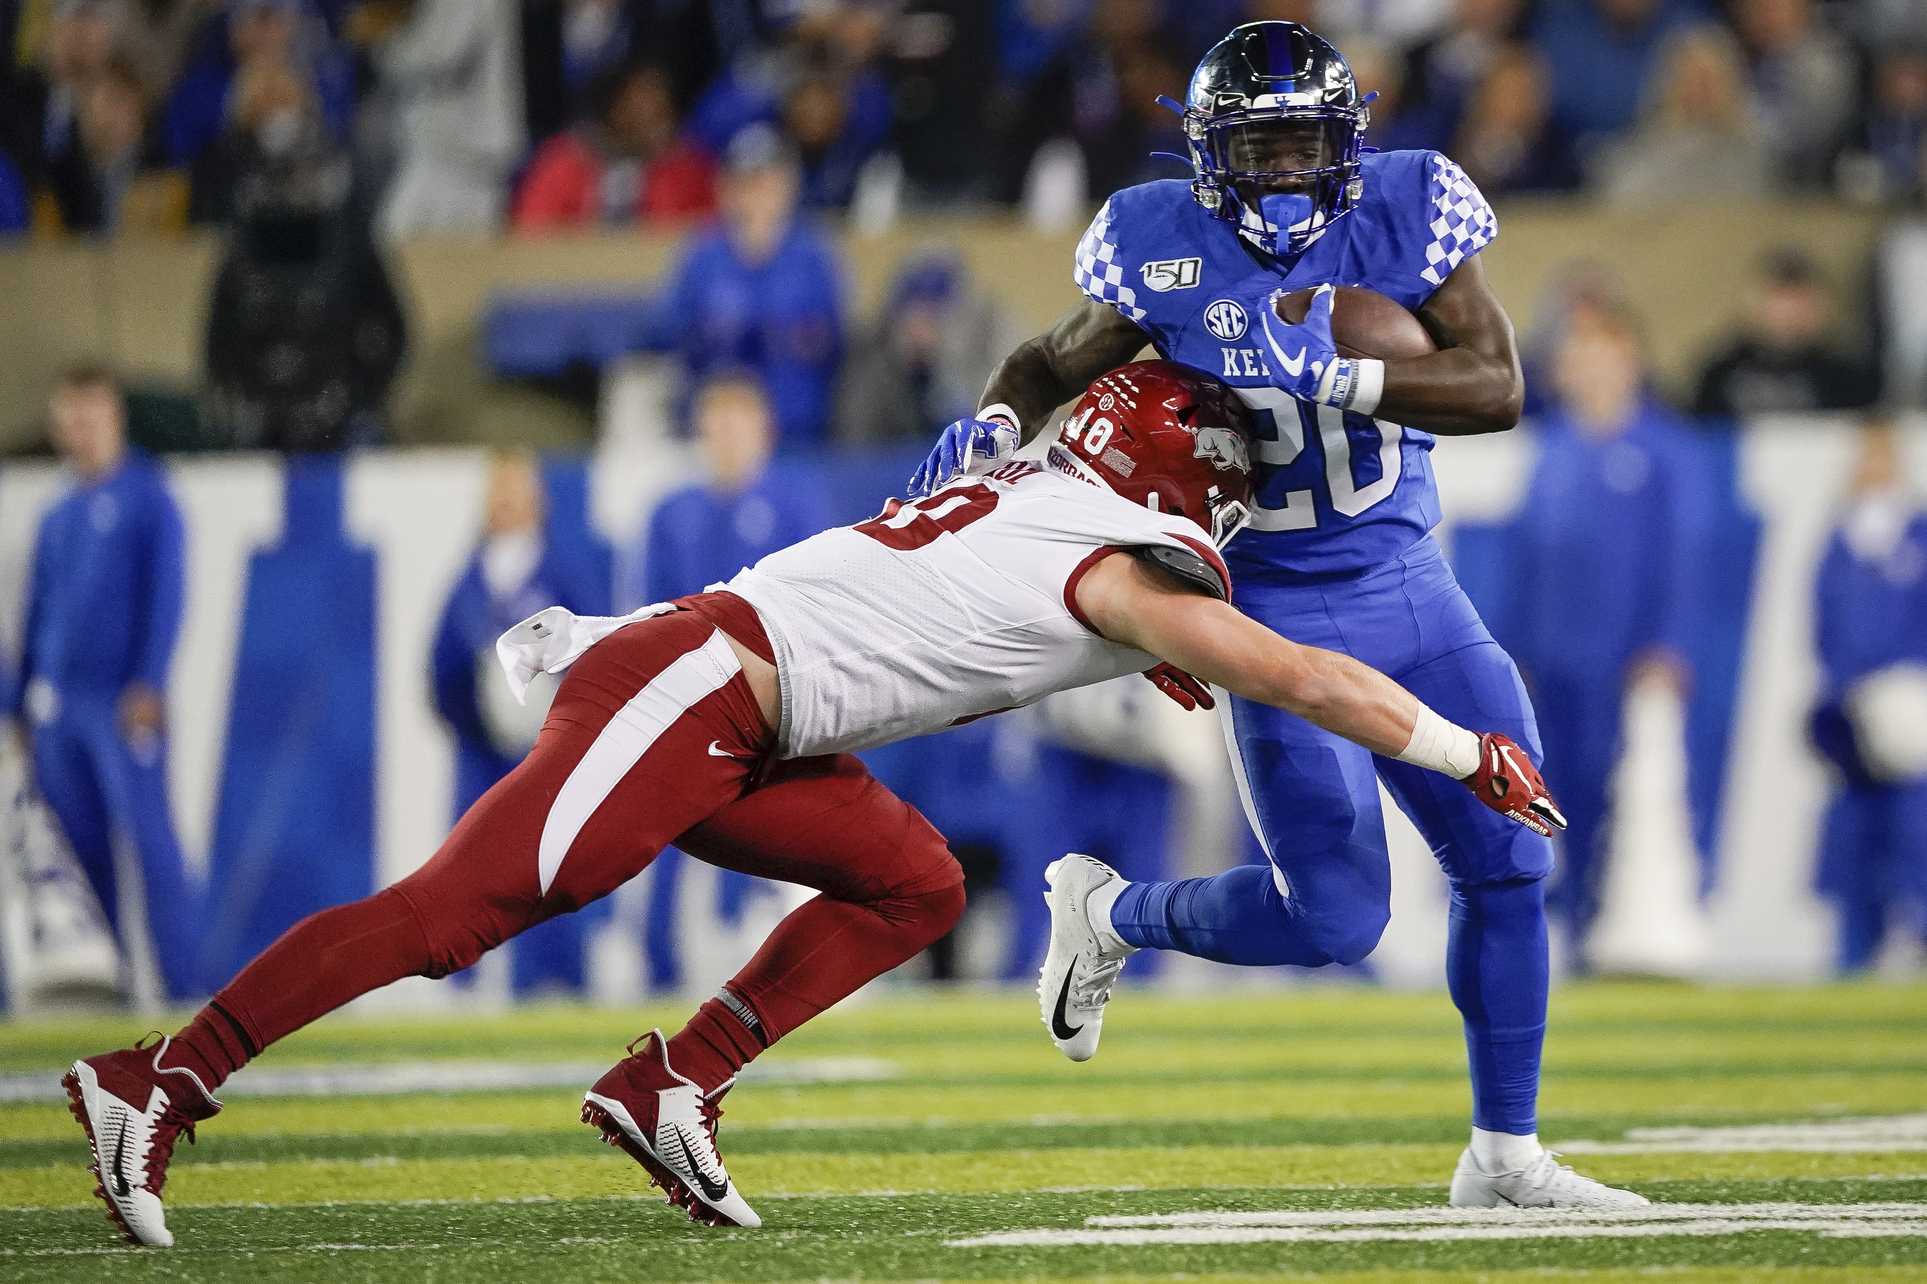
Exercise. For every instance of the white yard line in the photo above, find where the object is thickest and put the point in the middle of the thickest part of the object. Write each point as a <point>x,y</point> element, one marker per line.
<point>1886,1133</point>
<point>1418,1225</point>
<point>1493,1216</point>
<point>398,1079</point>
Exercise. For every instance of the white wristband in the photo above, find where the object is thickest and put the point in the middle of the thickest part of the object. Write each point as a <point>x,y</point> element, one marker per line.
<point>1441,746</point>
<point>1353,383</point>
<point>1005,438</point>
<point>998,410</point>
<point>1368,385</point>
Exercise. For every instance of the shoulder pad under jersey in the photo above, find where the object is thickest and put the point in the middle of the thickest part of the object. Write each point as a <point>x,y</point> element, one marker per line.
<point>1187,566</point>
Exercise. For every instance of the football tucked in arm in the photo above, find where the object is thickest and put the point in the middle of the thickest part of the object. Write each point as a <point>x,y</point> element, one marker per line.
<point>1365,324</point>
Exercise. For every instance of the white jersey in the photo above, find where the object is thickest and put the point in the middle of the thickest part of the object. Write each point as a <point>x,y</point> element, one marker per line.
<point>951,607</point>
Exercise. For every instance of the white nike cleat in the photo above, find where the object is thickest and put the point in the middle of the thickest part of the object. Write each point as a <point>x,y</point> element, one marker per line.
<point>667,1125</point>
<point>1078,971</point>
<point>1543,1183</point>
<point>135,1111</point>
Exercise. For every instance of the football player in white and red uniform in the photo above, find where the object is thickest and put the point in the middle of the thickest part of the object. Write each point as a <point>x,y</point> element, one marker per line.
<point>724,723</point>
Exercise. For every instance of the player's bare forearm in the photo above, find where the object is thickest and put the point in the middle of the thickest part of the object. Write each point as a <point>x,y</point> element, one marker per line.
<point>1457,392</point>
<point>1138,605</point>
<point>1474,383</point>
<point>1026,382</point>
<point>1043,373</point>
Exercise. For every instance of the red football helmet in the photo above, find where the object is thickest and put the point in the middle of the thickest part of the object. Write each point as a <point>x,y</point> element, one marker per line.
<point>1167,436</point>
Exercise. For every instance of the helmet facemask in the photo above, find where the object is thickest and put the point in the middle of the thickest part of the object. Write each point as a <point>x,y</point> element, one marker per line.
<point>1227,516</point>
<point>1223,517</point>
<point>1282,174</point>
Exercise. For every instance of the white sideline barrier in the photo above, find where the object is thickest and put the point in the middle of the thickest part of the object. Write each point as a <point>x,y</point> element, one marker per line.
<point>418,511</point>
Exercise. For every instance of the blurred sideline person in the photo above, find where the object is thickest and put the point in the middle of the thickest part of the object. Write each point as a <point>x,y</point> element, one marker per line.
<point>923,357</point>
<point>117,179</point>
<point>261,37</point>
<point>1871,720</point>
<point>514,572</point>
<point>700,535</point>
<point>41,101</point>
<point>1784,359</point>
<point>740,511</point>
<point>272,113</point>
<point>727,720</point>
<point>625,165</point>
<point>103,612</point>
<point>305,332</point>
<point>1888,159</point>
<point>1605,59</point>
<point>1599,572</point>
<point>1699,130</point>
<point>1507,140</point>
<point>760,289</point>
<point>450,75</point>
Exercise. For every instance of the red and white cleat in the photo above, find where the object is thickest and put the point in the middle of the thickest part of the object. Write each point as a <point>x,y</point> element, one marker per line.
<point>668,1126</point>
<point>134,1112</point>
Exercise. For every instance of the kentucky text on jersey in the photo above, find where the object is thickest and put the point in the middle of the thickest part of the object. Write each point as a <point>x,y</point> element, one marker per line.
<point>1336,491</point>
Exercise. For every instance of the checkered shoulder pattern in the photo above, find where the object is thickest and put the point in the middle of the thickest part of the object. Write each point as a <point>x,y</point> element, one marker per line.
<point>1462,223</point>
<point>1098,272</point>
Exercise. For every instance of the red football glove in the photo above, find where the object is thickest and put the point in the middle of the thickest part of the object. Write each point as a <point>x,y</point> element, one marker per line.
<point>1509,784</point>
<point>1181,686</point>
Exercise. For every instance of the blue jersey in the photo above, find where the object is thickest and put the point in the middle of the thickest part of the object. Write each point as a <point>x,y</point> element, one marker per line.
<point>782,318</point>
<point>699,536</point>
<point>1336,492</point>
<point>105,595</point>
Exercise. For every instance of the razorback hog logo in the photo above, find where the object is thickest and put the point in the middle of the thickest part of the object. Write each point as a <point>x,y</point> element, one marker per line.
<point>1222,447</point>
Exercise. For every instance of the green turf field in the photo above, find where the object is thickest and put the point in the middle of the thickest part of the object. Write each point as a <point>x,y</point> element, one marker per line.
<point>1300,1134</point>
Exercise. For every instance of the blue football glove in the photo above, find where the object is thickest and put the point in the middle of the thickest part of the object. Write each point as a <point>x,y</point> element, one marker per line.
<point>1305,362</point>
<point>1299,354</point>
<point>966,446</point>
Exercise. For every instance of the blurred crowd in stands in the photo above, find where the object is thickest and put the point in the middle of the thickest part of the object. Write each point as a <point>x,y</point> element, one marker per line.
<point>466,115</point>
<point>315,131</point>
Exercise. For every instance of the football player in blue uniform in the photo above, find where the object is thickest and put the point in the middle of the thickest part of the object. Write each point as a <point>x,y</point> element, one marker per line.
<point>1339,553</point>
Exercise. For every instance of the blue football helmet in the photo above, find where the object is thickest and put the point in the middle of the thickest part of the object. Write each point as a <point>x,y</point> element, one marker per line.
<point>1275,126</point>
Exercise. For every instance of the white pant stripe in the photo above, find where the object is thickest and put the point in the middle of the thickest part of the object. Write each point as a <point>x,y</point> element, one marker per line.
<point>621,744</point>
<point>1228,721</point>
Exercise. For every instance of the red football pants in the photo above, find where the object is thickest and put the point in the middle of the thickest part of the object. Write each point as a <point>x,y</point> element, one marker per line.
<point>654,737</point>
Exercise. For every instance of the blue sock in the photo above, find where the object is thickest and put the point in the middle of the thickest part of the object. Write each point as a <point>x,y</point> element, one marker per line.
<point>1496,967</point>
<point>1234,917</point>
<point>1863,928</point>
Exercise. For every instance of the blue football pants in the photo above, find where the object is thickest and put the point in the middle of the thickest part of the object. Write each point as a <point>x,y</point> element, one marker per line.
<point>109,796</point>
<point>1324,894</point>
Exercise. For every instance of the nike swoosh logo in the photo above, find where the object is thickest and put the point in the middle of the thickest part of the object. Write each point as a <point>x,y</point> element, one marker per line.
<point>120,1154</point>
<point>1506,753</point>
<point>1058,1026</point>
<point>1294,366</point>
<point>716,750</point>
<point>712,1190</point>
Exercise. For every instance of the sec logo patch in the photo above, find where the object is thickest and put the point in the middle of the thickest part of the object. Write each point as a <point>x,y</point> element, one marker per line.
<point>1226,320</point>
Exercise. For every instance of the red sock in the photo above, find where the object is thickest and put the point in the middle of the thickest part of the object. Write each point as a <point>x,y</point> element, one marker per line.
<point>213,1045</point>
<point>316,966</point>
<point>723,1037</point>
<point>823,952</point>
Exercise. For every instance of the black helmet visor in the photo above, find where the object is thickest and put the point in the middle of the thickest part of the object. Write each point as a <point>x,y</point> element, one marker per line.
<point>1279,153</point>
